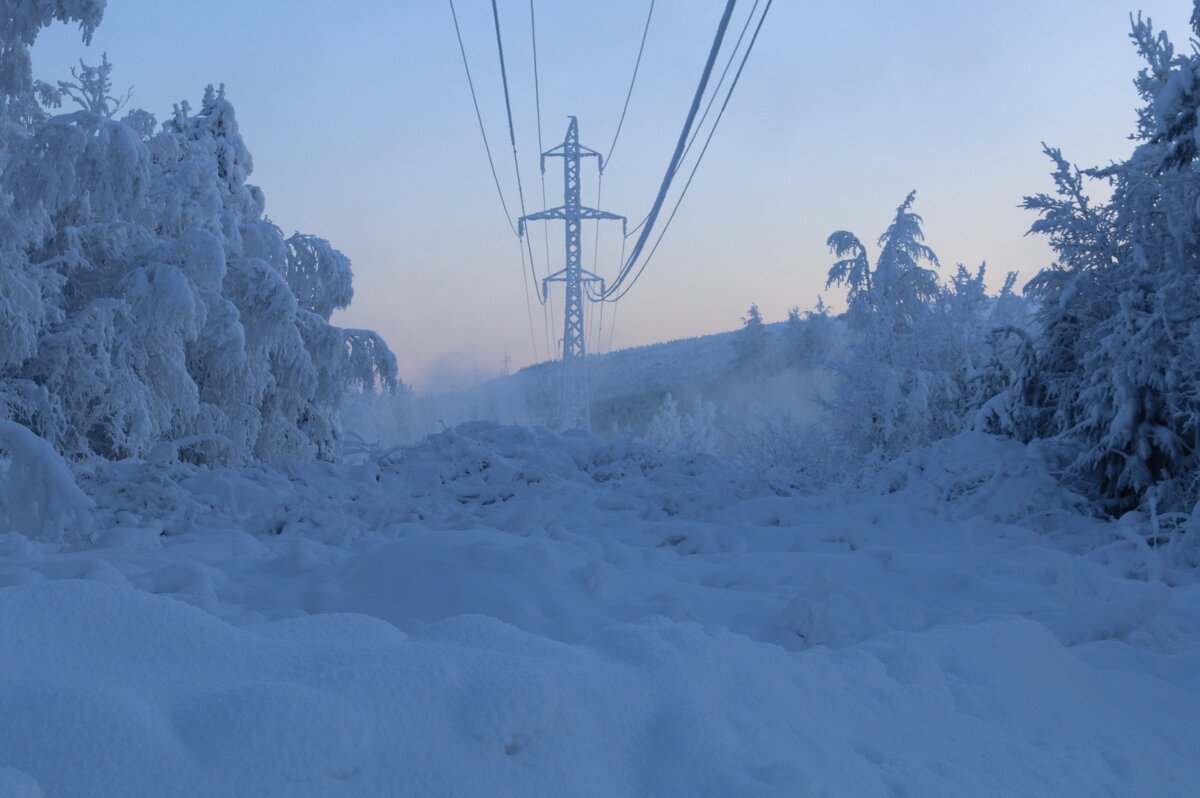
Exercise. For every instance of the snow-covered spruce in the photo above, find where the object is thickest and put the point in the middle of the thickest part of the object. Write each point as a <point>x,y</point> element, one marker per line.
<point>1118,350</point>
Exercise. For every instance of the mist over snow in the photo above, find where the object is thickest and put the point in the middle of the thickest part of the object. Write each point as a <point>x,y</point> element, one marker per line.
<point>943,542</point>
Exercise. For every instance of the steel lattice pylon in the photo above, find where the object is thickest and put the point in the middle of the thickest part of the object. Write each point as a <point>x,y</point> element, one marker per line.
<point>574,410</point>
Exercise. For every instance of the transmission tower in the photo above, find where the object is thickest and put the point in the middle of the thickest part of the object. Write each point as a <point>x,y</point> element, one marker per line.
<point>574,375</point>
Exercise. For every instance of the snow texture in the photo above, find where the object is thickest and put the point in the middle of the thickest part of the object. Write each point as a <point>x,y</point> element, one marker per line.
<point>506,611</point>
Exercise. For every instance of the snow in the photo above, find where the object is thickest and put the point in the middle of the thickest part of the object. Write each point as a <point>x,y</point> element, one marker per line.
<point>38,494</point>
<point>509,611</point>
<point>228,566</point>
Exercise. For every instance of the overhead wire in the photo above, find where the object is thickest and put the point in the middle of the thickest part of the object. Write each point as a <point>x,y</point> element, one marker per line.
<point>492,164</point>
<point>600,332</point>
<point>479,117</point>
<point>599,335</point>
<point>720,81</point>
<point>720,113</point>
<point>612,325</point>
<point>516,168</point>
<point>596,233</point>
<point>595,297</point>
<point>512,136</point>
<point>547,302</point>
<point>665,186</point>
<point>628,94</point>
<point>708,106</point>
<point>528,304</point>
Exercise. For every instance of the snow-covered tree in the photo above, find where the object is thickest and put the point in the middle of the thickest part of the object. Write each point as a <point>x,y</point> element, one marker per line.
<point>899,287</point>
<point>92,87</point>
<point>673,429</point>
<point>810,336</point>
<point>1005,393</point>
<point>909,371</point>
<point>146,296</point>
<point>886,384</point>
<point>21,21</point>
<point>903,286</point>
<point>853,270</point>
<point>751,340</point>
<point>1120,310</point>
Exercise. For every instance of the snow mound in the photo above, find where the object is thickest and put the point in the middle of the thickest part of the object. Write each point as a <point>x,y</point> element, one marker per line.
<point>985,476</point>
<point>117,692</point>
<point>38,494</point>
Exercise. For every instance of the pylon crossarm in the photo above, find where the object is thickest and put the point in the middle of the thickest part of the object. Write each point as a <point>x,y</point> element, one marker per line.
<point>541,216</point>
<point>592,213</point>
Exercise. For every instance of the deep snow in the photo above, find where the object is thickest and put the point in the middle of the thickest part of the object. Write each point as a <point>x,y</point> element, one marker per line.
<point>506,611</point>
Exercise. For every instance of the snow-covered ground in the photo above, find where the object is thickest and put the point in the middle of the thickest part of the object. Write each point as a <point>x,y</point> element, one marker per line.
<point>499,611</point>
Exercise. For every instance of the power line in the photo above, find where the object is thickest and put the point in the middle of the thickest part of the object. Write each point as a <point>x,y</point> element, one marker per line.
<point>628,94</point>
<point>528,304</point>
<point>479,117</point>
<point>612,327</point>
<point>596,232</point>
<point>537,90</point>
<point>492,165</point>
<point>547,303</point>
<point>504,80</point>
<point>512,137</point>
<point>674,164</point>
<point>708,106</point>
<point>600,333</point>
<point>720,113</point>
<point>721,81</point>
<point>594,297</point>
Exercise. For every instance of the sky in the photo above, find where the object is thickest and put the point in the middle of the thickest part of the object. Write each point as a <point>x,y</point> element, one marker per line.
<point>360,122</point>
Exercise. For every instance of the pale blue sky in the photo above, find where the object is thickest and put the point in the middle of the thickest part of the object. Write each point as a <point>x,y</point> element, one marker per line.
<point>360,123</point>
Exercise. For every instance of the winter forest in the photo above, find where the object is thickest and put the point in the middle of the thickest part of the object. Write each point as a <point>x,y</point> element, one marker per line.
<point>926,536</point>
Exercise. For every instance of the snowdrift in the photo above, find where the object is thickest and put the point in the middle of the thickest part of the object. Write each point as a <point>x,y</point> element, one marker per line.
<point>505,611</point>
<point>116,692</point>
